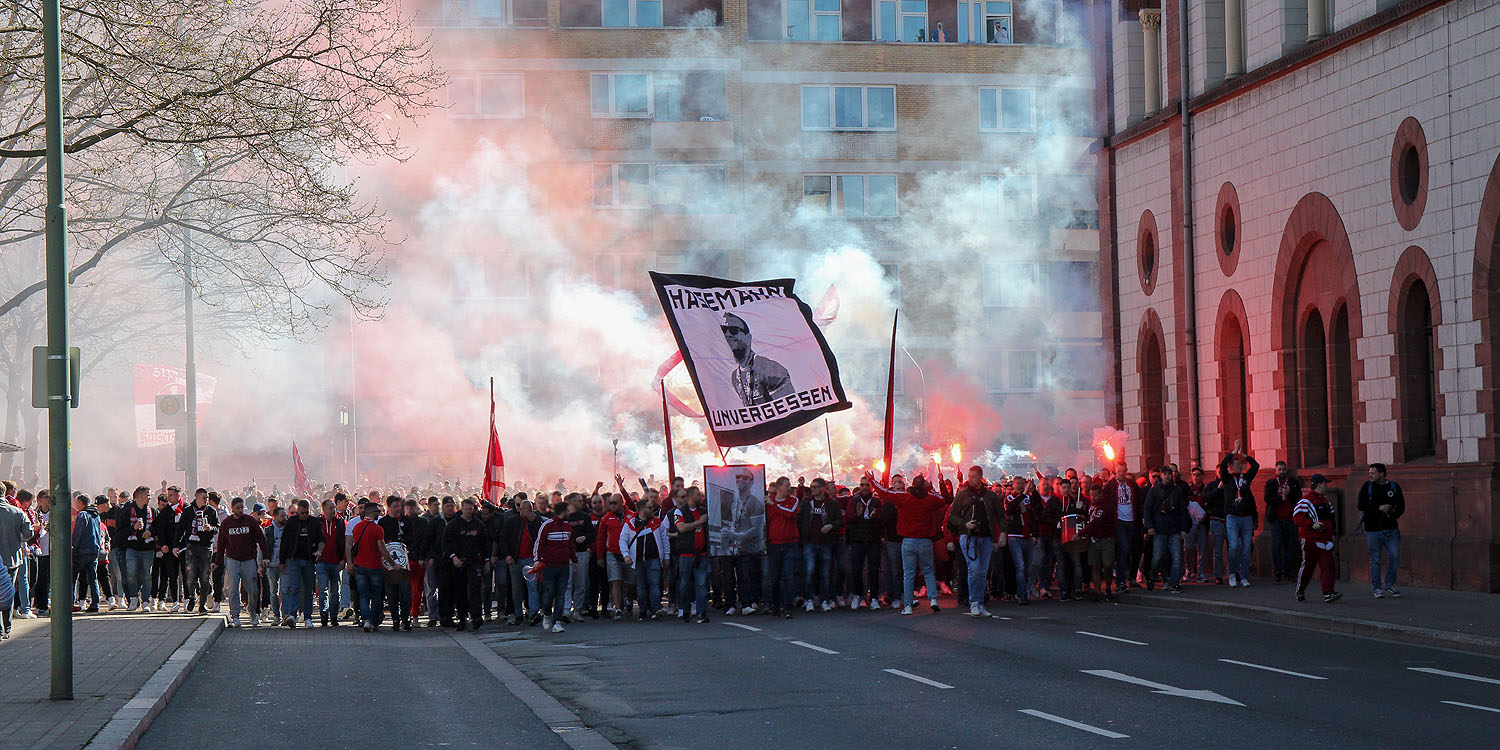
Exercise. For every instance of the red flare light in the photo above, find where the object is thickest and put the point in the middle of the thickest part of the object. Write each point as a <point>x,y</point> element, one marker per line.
<point>957,452</point>
<point>1107,449</point>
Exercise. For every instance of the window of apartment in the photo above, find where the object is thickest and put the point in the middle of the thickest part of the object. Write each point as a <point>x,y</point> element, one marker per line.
<point>1012,285</point>
<point>901,20</point>
<point>460,13</point>
<point>1014,194</point>
<point>620,94</point>
<point>848,107</point>
<point>816,20</point>
<point>690,97</point>
<point>632,13</point>
<point>892,273</point>
<point>622,185</point>
<point>691,188</point>
<point>1006,110</point>
<point>985,22</point>
<point>486,95</point>
<point>850,195</point>
<point>1020,370</point>
<point>1073,285</point>
<point>670,261</point>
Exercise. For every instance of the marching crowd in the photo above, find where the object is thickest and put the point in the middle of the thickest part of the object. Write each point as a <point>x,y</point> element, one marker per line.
<point>553,557</point>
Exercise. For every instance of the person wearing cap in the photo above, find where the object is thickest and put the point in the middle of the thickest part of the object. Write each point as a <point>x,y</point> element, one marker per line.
<point>366,559</point>
<point>756,379</point>
<point>1167,521</point>
<point>1314,518</point>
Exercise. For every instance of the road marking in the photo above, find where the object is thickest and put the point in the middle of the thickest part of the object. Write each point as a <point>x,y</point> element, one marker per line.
<point>1458,675</point>
<point>918,678</point>
<point>818,649</point>
<point>1273,669</point>
<point>1202,695</point>
<point>1074,724</point>
<point>1110,638</point>
<point>1471,705</point>
<point>750,628</point>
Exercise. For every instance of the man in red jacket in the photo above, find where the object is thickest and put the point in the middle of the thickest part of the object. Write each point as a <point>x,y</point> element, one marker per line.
<point>917,521</point>
<point>1314,518</point>
<point>783,563</point>
<point>553,552</point>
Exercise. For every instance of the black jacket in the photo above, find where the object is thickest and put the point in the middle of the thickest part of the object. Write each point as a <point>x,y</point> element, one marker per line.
<point>433,528</point>
<point>416,549</point>
<point>509,542</point>
<point>1212,499</point>
<point>1167,508</point>
<point>1272,495</point>
<point>465,539</point>
<point>583,526</point>
<point>300,538</point>
<point>185,526</point>
<point>862,524</point>
<point>1239,498</point>
<point>399,529</point>
<point>164,528</point>
<point>1372,497</point>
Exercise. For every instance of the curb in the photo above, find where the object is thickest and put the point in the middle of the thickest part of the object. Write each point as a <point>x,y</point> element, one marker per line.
<point>562,721</point>
<point>1349,626</point>
<point>130,723</point>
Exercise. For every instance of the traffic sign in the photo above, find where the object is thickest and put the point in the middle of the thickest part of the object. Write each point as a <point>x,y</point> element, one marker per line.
<point>171,411</point>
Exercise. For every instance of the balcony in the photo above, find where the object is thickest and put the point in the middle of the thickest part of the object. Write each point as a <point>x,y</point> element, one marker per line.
<point>692,136</point>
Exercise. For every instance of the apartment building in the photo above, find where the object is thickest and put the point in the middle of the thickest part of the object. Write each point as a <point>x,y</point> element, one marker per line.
<point>1300,202</point>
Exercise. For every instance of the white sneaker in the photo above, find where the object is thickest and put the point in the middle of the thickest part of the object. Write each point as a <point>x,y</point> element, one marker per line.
<point>906,610</point>
<point>217,605</point>
<point>854,603</point>
<point>974,610</point>
<point>984,612</point>
<point>177,607</point>
<point>827,606</point>
<point>807,605</point>
<point>234,622</point>
<point>1393,593</point>
<point>748,610</point>
<point>1244,583</point>
<point>546,624</point>
<point>27,615</point>
<point>732,611</point>
<point>1379,594</point>
<point>148,607</point>
<point>135,604</point>
<point>874,603</point>
<point>1234,580</point>
<point>557,627</point>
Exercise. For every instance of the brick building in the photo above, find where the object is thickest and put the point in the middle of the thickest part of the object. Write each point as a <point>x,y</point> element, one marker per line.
<point>715,136</point>
<point>1299,226</point>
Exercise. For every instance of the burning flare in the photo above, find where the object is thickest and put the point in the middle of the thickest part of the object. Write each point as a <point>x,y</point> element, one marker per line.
<point>1109,450</point>
<point>880,465</point>
<point>957,452</point>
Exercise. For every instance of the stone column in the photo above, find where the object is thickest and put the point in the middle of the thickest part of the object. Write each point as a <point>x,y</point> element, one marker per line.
<point>1151,32</point>
<point>1317,20</point>
<point>1234,40</point>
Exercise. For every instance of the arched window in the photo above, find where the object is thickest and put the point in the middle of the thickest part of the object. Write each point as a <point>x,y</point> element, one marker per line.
<point>1417,378</point>
<point>1312,376</point>
<point>1341,388</point>
<point>1234,395</point>
<point>1153,402</point>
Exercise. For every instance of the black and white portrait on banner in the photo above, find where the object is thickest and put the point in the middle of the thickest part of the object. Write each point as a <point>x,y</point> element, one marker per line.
<point>759,363</point>
<point>736,509</point>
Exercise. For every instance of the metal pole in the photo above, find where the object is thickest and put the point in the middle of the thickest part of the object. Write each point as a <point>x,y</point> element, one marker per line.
<point>833,476</point>
<point>191,433</point>
<point>58,366</point>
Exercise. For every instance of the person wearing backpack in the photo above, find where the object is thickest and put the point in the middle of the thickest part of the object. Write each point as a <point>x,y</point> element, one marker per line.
<point>1236,472</point>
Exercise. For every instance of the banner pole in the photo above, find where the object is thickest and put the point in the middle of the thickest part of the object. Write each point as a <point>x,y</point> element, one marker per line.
<point>890,403</point>
<point>666,424</point>
<point>833,475</point>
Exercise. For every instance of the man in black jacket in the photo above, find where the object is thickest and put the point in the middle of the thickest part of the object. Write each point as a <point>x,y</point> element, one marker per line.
<point>583,539</point>
<point>301,543</point>
<point>197,526</point>
<point>1236,472</point>
<point>1381,502</point>
<point>442,574</point>
<point>416,555</point>
<point>464,546</point>
<point>514,548</point>
<point>1212,498</point>
<point>1167,520</point>
<point>1282,493</point>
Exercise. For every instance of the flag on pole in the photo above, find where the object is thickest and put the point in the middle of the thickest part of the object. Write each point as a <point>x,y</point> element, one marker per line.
<point>666,423</point>
<point>300,483</point>
<point>494,460</point>
<point>890,405</point>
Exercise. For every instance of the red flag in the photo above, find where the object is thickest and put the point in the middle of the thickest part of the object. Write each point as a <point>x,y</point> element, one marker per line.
<point>494,460</point>
<point>666,423</point>
<point>300,483</point>
<point>890,405</point>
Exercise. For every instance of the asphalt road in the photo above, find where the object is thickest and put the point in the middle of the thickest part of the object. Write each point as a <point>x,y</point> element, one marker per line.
<point>1055,675</point>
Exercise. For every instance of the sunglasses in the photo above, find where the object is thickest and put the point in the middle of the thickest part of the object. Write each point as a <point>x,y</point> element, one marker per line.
<point>734,330</point>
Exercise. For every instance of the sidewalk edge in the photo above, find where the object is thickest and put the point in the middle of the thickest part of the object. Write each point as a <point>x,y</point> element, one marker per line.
<point>130,723</point>
<point>1349,626</point>
<point>559,718</point>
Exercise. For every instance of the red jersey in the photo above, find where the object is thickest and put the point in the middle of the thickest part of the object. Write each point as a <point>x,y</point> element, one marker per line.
<point>368,539</point>
<point>781,521</point>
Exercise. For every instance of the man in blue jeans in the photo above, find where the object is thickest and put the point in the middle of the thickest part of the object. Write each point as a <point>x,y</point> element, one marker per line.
<point>820,522</point>
<point>1128,499</point>
<point>366,559</point>
<point>1167,519</point>
<point>978,517</point>
<point>1236,471</point>
<point>330,560</point>
<point>1381,502</point>
<point>301,541</point>
<point>135,519</point>
<point>690,546</point>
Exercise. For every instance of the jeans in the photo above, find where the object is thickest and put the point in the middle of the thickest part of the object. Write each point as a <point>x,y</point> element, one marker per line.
<point>369,581</point>
<point>23,583</point>
<point>1046,552</point>
<point>1071,579</point>
<point>199,570</point>
<point>864,569</point>
<point>916,554</point>
<point>1023,557</point>
<point>86,565</point>
<point>117,574</point>
<point>692,583</point>
<point>781,567</point>
<point>138,572</point>
<point>1241,531</point>
<point>555,580</point>
<point>329,583</point>
<point>272,594</point>
<point>239,573</point>
<point>648,584</point>
<point>818,571</point>
<point>893,575</point>
<point>1389,541</point>
<point>430,594</point>
<point>976,558</point>
<point>297,588</point>
<point>578,590</point>
<point>1125,550</point>
<point>1163,547</point>
<point>398,598</point>
<point>1217,535</point>
<point>1284,552</point>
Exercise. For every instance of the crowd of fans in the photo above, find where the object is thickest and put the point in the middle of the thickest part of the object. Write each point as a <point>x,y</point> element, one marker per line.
<point>549,557</point>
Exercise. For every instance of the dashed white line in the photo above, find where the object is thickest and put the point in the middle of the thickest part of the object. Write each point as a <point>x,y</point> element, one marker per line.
<point>818,649</point>
<point>919,678</point>
<point>750,628</point>
<point>1458,675</point>
<point>1074,724</point>
<point>1471,705</point>
<point>1273,669</point>
<point>1111,638</point>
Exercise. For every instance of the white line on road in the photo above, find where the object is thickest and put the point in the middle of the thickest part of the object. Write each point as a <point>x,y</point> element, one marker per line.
<point>1202,695</point>
<point>1273,669</point>
<point>1459,675</point>
<point>818,649</point>
<point>1471,705</point>
<point>1110,638</point>
<point>750,628</point>
<point>918,678</point>
<point>1074,724</point>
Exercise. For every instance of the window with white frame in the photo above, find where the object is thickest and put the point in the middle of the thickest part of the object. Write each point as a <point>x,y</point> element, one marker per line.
<point>1006,110</point>
<point>901,20</point>
<point>632,13</point>
<point>691,188</point>
<point>855,196</point>
<point>500,95</point>
<point>985,22</point>
<point>1020,370</point>
<point>622,185</point>
<point>620,95</point>
<point>848,107</point>
<point>816,20</point>
<point>460,13</point>
<point>1014,194</point>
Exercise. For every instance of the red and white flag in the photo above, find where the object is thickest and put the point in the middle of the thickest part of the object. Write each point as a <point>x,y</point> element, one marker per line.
<point>300,483</point>
<point>494,460</point>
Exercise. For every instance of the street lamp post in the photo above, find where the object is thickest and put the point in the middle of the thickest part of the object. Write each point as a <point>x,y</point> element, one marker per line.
<point>190,433</point>
<point>921,405</point>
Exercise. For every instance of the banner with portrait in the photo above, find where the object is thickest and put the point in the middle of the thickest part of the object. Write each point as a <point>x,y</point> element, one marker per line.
<point>736,509</point>
<point>759,363</point>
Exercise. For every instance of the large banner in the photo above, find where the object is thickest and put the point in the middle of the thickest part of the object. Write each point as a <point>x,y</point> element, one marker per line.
<point>736,509</point>
<point>760,365</point>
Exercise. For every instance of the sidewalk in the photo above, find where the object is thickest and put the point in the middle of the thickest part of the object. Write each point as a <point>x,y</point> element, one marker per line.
<point>1431,617</point>
<point>113,657</point>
